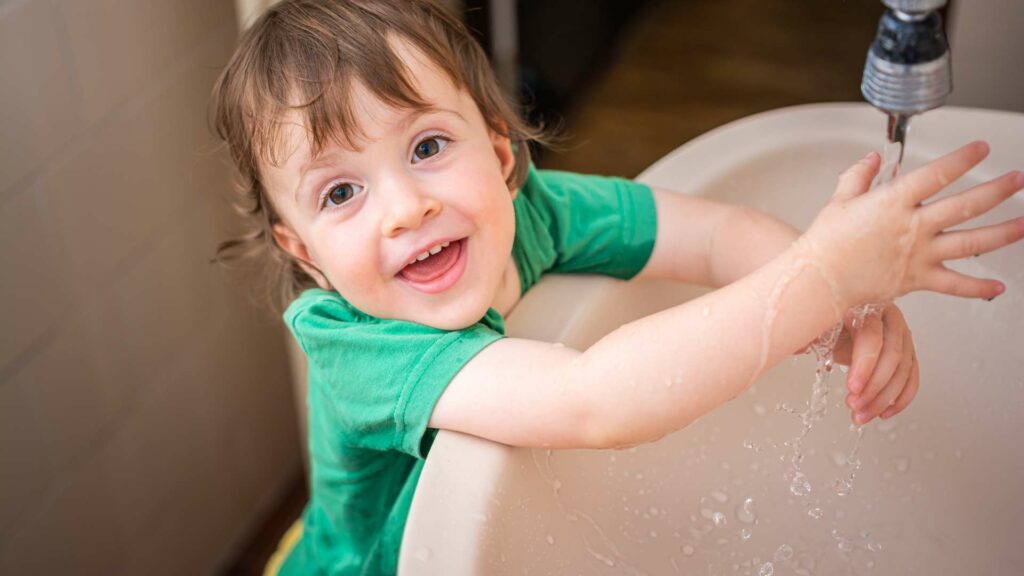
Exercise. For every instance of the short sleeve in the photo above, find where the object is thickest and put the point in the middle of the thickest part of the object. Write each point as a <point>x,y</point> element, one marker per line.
<point>570,222</point>
<point>381,377</point>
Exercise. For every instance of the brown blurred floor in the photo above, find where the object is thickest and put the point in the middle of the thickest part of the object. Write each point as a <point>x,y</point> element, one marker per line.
<point>687,66</point>
<point>684,67</point>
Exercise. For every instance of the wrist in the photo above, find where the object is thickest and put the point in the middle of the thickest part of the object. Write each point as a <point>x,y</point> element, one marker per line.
<point>843,294</point>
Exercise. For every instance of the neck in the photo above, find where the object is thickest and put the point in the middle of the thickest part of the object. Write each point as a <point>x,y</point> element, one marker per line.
<point>508,293</point>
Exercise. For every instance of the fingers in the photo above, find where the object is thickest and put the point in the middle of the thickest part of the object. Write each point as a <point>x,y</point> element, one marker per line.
<point>867,346</point>
<point>954,283</point>
<point>843,351</point>
<point>856,180</point>
<point>960,208</point>
<point>908,393</point>
<point>923,183</point>
<point>888,363</point>
<point>893,387</point>
<point>964,243</point>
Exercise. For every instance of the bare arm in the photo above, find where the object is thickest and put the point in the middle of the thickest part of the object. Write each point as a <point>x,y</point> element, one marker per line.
<point>710,243</point>
<point>648,377</point>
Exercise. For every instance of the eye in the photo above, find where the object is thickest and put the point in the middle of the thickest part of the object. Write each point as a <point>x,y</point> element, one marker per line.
<point>340,193</point>
<point>429,147</point>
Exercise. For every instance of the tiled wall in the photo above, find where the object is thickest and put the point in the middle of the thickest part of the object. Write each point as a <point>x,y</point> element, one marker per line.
<point>146,415</point>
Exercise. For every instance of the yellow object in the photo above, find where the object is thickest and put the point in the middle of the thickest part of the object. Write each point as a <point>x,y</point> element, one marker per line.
<point>283,548</point>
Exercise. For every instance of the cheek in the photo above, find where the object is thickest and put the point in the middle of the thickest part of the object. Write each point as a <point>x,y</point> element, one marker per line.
<point>349,269</point>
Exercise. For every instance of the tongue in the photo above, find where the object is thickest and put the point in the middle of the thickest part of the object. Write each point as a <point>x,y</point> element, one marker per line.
<point>434,266</point>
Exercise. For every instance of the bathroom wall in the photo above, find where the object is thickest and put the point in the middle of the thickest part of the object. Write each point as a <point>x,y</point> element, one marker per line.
<point>146,415</point>
<point>987,46</point>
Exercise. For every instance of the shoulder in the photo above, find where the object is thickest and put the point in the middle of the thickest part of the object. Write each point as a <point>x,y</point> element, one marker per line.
<point>315,305</point>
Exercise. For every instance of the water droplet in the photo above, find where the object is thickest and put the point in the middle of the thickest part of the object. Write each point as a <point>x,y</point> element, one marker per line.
<point>800,486</point>
<point>706,513</point>
<point>874,546</point>
<point>814,513</point>
<point>653,511</point>
<point>760,410</point>
<point>745,512</point>
<point>706,311</point>
<point>842,486</point>
<point>718,518</point>
<point>688,550</point>
<point>557,484</point>
<point>785,552</point>
<point>902,464</point>
<point>720,496</point>
<point>551,539</point>
<point>654,534</point>
<point>745,534</point>
<point>766,569</point>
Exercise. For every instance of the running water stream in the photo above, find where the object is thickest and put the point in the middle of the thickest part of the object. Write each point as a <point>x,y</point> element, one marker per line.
<point>823,349</point>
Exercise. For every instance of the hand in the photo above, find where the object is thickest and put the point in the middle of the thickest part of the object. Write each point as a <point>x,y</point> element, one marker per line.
<point>879,245</point>
<point>884,374</point>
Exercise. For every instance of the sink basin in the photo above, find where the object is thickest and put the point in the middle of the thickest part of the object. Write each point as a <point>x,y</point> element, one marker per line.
<point>938,487</point>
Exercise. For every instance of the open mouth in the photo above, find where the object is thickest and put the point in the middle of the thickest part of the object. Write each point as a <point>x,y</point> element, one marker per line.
<point>438,269</point>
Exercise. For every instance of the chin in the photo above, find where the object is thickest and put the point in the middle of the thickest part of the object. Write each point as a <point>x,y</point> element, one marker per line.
<point>457,316</point>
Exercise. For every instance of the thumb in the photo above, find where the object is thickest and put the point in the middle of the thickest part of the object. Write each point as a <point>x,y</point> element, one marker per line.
<point>857,178</point>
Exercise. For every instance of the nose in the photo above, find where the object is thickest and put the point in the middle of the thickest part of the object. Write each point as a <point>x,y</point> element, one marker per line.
<point>407,207</point>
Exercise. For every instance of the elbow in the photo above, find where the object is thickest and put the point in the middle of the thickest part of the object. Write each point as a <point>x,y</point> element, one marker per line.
<point>605,416</point>
<point>613,428</point>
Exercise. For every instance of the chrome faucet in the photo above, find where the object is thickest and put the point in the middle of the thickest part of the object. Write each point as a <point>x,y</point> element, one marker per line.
<point>908,68</point>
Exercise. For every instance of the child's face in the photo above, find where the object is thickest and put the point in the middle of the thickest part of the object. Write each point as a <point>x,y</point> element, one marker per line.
<point>419,180</point>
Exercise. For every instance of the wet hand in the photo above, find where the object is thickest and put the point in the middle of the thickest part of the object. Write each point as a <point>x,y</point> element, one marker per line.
<point>884,374</point>
<point>881,244</point>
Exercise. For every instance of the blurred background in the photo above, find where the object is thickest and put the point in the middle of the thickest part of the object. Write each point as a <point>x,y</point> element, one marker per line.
<point>147,410</point>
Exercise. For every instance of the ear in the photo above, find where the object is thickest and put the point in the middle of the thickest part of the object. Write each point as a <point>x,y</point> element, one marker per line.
<point>504,153</point>
<point>290,242</point>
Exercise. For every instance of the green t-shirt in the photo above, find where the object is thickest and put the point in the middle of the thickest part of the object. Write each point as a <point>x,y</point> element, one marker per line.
<point>373,382</point>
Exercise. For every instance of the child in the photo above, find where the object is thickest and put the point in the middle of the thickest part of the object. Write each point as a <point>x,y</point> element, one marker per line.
<point>392,185</point>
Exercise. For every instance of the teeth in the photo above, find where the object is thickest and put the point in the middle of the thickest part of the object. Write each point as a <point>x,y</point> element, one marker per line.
<point>429,253</point>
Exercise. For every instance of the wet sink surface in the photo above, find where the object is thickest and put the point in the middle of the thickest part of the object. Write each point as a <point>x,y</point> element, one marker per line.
<point>937,488</point>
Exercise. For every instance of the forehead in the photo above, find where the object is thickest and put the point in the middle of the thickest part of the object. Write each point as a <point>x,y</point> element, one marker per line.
<point>434,88</point>
<point>373,117</point>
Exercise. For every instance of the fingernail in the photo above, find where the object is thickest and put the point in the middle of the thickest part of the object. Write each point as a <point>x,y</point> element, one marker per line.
<point>861,418</point>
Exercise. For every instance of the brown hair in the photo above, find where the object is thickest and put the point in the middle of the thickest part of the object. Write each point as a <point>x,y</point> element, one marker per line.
<point>304,55</point>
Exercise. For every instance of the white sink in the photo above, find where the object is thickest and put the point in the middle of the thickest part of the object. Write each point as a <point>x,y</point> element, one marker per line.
<point>939,488</point>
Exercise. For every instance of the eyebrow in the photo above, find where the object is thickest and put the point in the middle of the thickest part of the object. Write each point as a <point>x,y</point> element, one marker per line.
<point>410,117</point>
